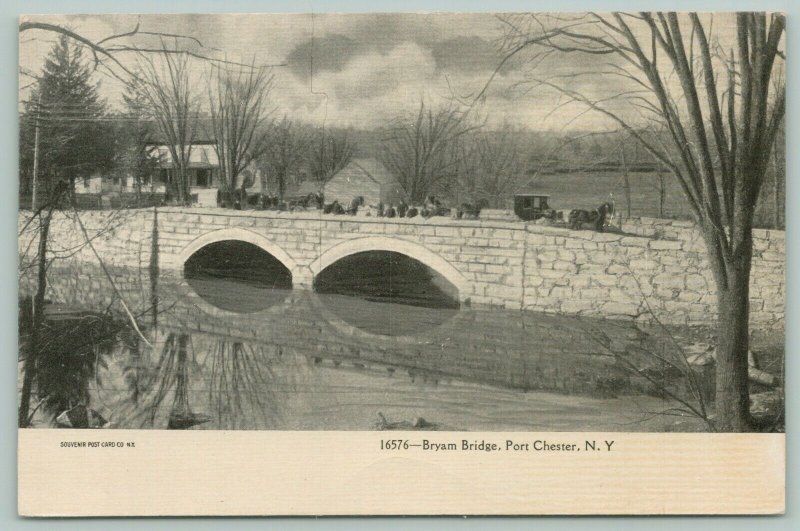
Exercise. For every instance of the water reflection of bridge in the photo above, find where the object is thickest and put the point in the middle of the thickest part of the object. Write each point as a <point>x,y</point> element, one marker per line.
<point>507,348</point>
<point>309,355</point>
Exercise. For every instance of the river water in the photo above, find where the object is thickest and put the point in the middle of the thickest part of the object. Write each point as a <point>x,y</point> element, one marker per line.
<point>381,343</point>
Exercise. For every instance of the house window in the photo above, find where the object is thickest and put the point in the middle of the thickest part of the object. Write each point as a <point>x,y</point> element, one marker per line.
<point>203,178</point>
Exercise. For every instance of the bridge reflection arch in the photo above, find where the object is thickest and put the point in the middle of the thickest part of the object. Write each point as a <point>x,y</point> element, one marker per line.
<point>408,248</point>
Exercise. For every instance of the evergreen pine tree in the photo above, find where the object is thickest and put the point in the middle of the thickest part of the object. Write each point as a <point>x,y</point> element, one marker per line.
<point>73,131</point>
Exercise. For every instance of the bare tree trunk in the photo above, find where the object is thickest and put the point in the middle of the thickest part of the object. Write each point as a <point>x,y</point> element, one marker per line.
<point>732,394</point>
<point>37,321</point>
<point>776,200</point>
<point>281,185</point>
<point>662,192</point>
<point>181,186</point>
<point>36,157</point>
<point>153,270</point>
<point>732,276</point>
<point>627,180</point>
<point>137,183</point>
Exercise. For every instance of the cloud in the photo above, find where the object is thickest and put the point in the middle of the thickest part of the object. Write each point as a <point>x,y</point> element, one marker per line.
<point>368,91</point>
<point>375,74</point>
<point>368,68</point>
<point>466,54</point>
<point>329,53</point>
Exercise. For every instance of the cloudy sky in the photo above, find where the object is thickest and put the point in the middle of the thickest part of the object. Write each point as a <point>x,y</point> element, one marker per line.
<point>363,70</point>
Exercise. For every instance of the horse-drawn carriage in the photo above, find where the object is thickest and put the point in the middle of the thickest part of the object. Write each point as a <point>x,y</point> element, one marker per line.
<point>530,206</point>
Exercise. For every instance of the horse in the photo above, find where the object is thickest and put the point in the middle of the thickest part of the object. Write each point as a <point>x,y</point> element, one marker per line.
<point>470,210</point>
<point>254,200</point>
<point>232,199</point>
<point>552,215</point>
<point>319,199</point>
<point>596,217</point>
<point>432,206</point>
<point>263,201</point>
<point>329,208</point>
<point>401,209</point>
<point>260,200</point>
<point>354,204</point>
<point>303,202</point>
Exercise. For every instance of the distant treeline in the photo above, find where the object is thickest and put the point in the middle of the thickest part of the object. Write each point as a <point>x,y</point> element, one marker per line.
<point>604,166</point>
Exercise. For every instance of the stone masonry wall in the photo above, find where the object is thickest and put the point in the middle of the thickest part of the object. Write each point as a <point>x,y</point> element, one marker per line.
<point>657,267</point>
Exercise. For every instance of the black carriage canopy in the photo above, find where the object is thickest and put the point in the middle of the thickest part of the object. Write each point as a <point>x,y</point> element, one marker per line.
<point>530,206</point>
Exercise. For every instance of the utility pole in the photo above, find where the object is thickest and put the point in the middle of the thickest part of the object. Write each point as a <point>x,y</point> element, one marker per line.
<point>36,154</point>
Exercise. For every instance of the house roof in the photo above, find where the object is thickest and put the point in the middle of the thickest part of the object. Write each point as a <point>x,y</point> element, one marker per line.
<point>372,169</point>
<point>308,187</point>
<point>200,156</point>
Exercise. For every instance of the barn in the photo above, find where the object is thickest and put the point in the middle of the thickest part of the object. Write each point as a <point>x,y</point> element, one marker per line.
<point>365,177</point>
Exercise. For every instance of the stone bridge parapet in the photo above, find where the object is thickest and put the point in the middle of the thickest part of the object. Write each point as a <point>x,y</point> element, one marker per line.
<point>656,269</point>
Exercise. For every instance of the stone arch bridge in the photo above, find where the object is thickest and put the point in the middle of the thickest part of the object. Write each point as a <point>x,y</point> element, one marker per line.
<point>656,268</point>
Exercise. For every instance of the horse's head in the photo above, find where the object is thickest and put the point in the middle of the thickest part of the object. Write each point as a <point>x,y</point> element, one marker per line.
<point>607,209</point>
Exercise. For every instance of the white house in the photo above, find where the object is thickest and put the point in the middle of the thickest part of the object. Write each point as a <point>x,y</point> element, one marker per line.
<point>203,171</point>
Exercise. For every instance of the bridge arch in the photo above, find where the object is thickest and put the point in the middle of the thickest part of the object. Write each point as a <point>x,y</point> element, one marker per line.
<point>382,243</point>
<point>243,235</point>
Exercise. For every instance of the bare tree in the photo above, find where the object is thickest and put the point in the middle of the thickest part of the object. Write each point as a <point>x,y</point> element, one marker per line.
<point>239,103</point>
<point>492,164</point>
<point>419,150</point>
<point>772,209</point>
<point>329,153</point>
<point>172,104</point>
<point>106,54</point>
<point>661,188</point>
<point>722,120</point>
<point>626,179</point>
<point>285,153</point>
<point>133,132</point>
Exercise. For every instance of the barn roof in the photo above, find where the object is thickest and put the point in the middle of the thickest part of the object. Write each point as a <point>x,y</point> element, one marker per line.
<point>308,187</point>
